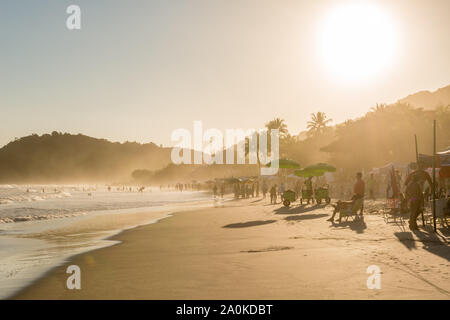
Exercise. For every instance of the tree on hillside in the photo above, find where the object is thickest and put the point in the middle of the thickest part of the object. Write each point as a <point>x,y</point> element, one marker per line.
<point>318,123</point>
<point>279,124</point>
<point>382,137</point>
<point>379,107</point>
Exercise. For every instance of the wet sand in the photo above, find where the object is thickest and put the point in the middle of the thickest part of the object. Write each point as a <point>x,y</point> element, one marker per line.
<point>249,249</point>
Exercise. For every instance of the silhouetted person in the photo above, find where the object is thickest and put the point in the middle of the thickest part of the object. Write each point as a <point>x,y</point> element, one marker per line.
<point>222,190</point>
<point>414,196</point>
<point>358,193</point>
<point>359,190</point>
<point>308,184</point>
<point>273,194</point>
<point>371,186</point>
<point>422,177</point>
<point>264,189</point>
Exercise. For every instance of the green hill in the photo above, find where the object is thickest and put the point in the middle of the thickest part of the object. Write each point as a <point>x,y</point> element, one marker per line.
<point>57,158</point>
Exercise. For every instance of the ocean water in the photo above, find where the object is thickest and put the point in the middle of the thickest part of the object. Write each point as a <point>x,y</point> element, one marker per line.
<point>37,202</point>
<point>42,226</point>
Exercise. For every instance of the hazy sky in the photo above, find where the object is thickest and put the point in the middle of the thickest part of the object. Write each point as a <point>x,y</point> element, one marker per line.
<point>139,69</point>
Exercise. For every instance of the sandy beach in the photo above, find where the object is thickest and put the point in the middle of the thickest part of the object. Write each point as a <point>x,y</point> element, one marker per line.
<point>249,249</point>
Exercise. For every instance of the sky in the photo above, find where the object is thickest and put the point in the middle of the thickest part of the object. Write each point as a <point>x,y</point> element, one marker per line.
<point>137,70</point>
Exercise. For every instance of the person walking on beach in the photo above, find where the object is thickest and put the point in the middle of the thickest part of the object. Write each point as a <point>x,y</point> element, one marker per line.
<point>298,189</point>
<point>273,194</point>
<point>414,196</point>
<point>371,186</point>
<point>215,190</point>
<point>359,190</point>
<point>308,184</point>
<point>264,189</point>
<point>422,177</point>
<point>281,191</point>
<point>222,190</point>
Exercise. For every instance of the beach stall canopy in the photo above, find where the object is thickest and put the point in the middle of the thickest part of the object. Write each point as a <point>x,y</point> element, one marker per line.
<point>426,160</point>
<point>231,180</point>
<point>286,164</point>
<point>321,167</point>
<point>308,173</point>
<point>386,169</point>
<point>316,170</point>
<point>444,163</point>
<point>247,179</point>
<point>444,158</point>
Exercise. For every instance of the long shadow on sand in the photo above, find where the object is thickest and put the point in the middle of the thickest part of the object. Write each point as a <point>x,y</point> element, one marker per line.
<point>297,210</point>
<point>249,224</point>
<point>431,241</point>
<point>305,217</point>
<point>358,225</point>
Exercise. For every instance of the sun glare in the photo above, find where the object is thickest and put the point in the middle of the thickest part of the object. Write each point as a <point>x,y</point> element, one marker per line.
<point>356,42</point>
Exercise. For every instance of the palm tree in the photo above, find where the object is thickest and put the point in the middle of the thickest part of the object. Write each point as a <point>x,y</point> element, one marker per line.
<point>279,124</point>
<point>378,107</point>
<point>318,123</point>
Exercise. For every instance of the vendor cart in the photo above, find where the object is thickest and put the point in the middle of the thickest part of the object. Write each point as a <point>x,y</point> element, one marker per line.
<point>322,194</point>
<point>288,197</point>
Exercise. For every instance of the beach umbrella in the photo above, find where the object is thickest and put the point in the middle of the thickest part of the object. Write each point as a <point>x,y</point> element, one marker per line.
<point>231,180</point>
<point>286,164</point>
<point>321,167</point>
<point>308,173</point>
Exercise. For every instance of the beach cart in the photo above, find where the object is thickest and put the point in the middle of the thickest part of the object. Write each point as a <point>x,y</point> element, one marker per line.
<point>321,194</point>
<point>289,197</point>
<point>316,170</point>
<point>307,195</point>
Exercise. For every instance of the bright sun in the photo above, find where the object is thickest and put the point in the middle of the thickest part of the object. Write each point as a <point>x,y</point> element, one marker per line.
<point>357,41</point>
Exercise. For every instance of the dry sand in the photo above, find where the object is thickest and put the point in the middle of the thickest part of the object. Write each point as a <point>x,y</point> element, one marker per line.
<point>249,249</point>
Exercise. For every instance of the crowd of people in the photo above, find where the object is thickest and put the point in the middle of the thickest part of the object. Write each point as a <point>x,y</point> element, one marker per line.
<point>412,190</point>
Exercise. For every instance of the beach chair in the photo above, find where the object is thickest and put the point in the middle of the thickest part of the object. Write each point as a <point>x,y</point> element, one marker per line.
<point>350,209</point>
<point>392,210</point>
<point>442,212</point>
